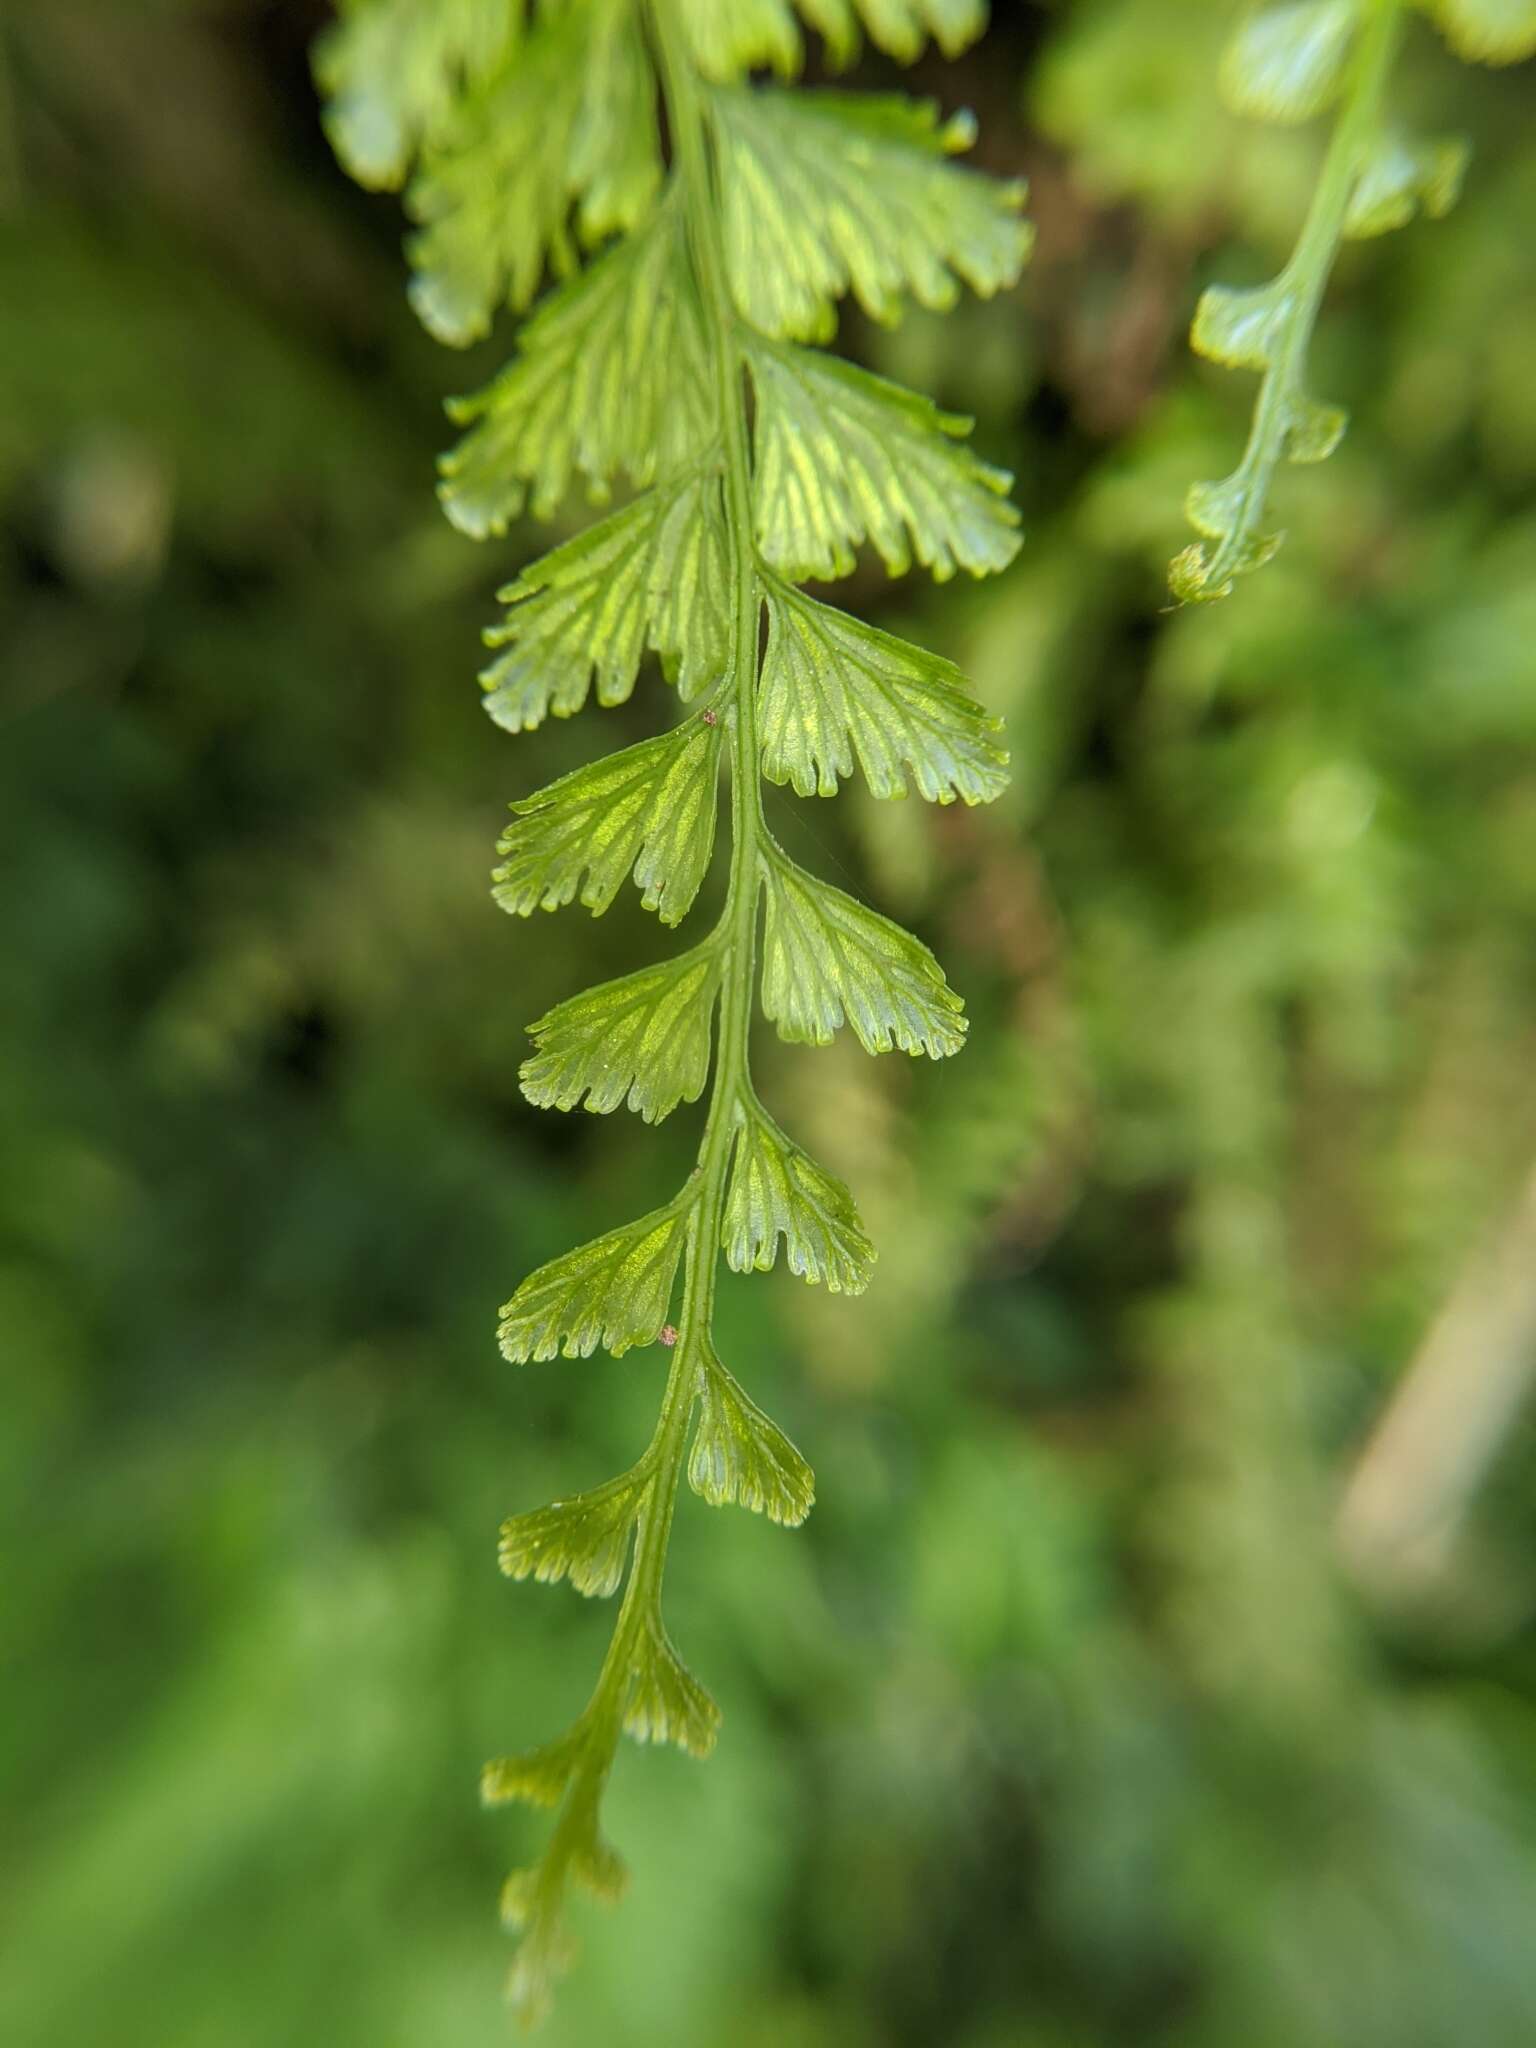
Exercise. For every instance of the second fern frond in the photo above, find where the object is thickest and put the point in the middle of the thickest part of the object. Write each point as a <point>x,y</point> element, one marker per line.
<point>1290,63</point>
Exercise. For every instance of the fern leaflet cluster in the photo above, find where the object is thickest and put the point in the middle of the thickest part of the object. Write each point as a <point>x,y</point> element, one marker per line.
<point>678,363</point>
<point>1290,63</point>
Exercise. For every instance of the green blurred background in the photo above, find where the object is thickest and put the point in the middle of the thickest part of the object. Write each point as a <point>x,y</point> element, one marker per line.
<point>1158,1668</point>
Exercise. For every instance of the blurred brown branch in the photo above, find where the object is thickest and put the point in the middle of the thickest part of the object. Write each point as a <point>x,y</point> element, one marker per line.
<point>1403,1515</point>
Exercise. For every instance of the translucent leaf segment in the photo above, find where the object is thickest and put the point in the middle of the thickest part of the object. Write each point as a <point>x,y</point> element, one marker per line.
<point>672,362</point>
<point>1289,63</point>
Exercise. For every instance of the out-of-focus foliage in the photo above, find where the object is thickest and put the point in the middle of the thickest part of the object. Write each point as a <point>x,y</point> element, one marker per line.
<point>1054,1727</point>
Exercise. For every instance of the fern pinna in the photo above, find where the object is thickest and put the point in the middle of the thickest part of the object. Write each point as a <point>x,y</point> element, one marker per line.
<point>727,219</point>
<point>1290,63</point>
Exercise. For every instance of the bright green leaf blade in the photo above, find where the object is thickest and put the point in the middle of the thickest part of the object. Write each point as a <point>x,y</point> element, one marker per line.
<point>729,38</point>
<point>643,1040</point>
<point>603,387</point>
<point>532,1900</point>
<point>650,808</point>
<point>1228,513</point>
<point>584,1539</point>
<point>654,575</point>
<point>666,1702</point>
<point>825,193</point>
<point>1399,179</point>
<point>1243,327</point>
<point>571,124</point>
<point>578,613</point>
<point>1312,430</point>
<point>777,1191</point>
<point>545,1950</point>
<point>536,1777</point>
<point>688,596</point>
<point>827,960</point>
<point>833,687</point>
<point>615,164</point>
<point>739,1456</point>
<point>546,1953</point>
<point>614,1291</point>
<point>836,22</point>
<point>732,37</point>
<point>393,71</point>
<point>1488,31</point>
<point>844,457</point>
<point>901,27</point>
<point>1286,63</point>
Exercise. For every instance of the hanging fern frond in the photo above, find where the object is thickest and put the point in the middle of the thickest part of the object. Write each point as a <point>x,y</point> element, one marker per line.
<point>1291,63</point>
<point>675,360</point>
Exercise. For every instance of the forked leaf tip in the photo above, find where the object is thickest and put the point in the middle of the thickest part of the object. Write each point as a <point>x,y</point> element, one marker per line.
<point>740,1456</point>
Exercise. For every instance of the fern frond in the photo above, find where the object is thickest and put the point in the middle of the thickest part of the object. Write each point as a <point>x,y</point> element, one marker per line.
<point>538,1777</point>
<point>1289,63</point>
<point>844,457</point>
<point>644,1040</point>
<point>728,41</point>
<point>393,74</point>
<point>584,1539</point>
<point>650,578</point>
<point>614,1291</point>
<point>824,193</point>
<point>666,1702</point>
<point>833,687</point>
<point>1487,31</point>
<point>828,961</point>
<point>777,1191</point>
<point>739,1456</point>
<point>670,361</point>
<point>592,391</point>
<point>557,150</point>
<point>650,809</point>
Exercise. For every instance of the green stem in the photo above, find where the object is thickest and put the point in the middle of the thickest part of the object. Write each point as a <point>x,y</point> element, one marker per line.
<point>667,1450</point>
<point>686,115</point>
<point>686,112</point>
<point>1307,274</point>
